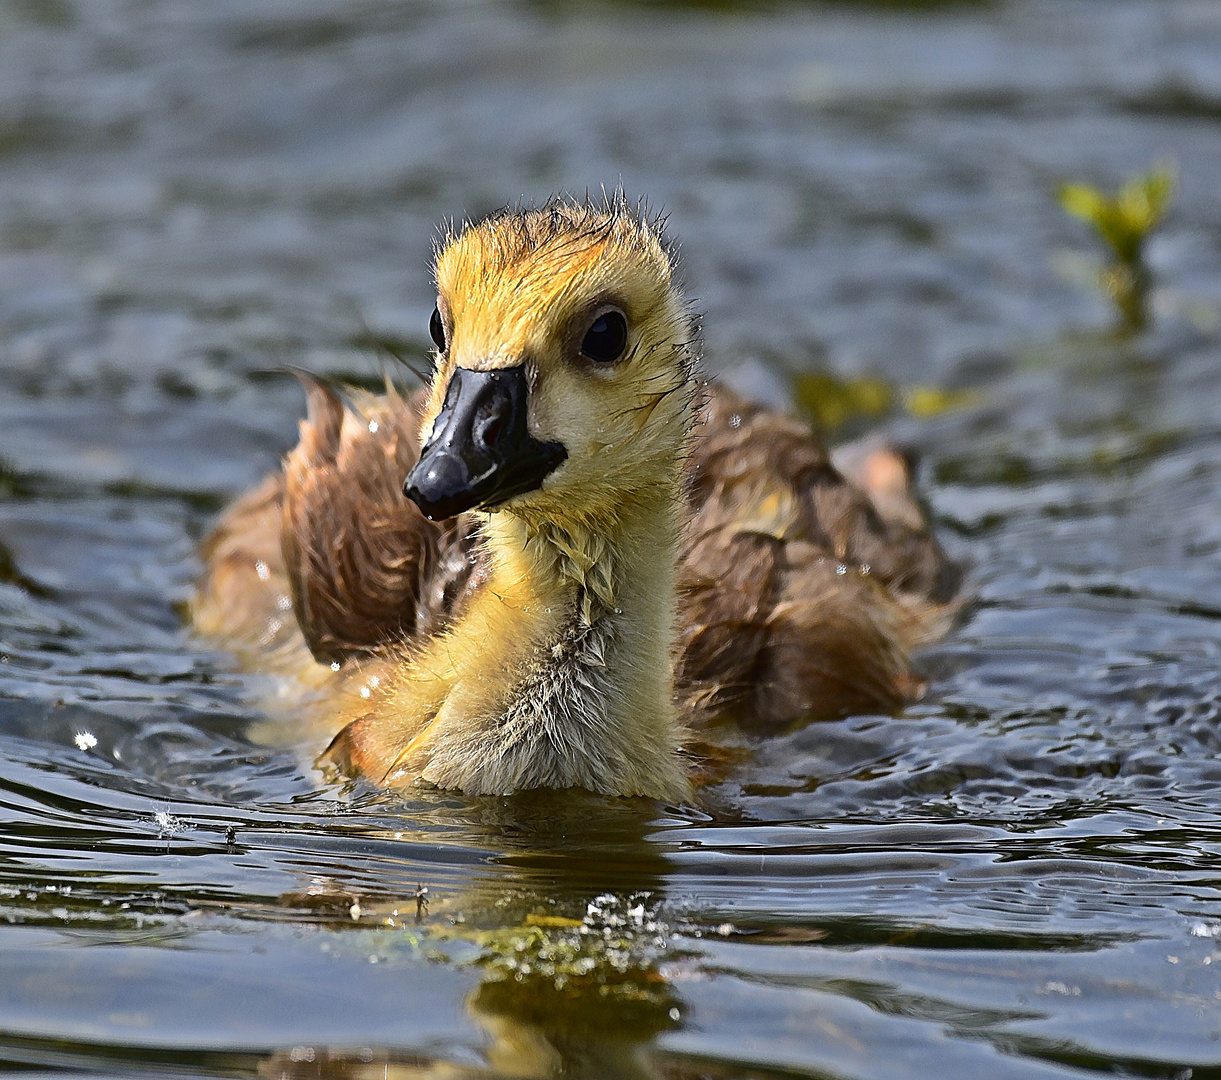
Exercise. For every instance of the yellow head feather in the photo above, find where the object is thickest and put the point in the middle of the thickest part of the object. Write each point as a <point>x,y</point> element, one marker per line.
<point>523,287</point>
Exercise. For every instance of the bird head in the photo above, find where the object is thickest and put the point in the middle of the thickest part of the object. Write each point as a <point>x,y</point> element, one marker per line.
<point>564,369</point>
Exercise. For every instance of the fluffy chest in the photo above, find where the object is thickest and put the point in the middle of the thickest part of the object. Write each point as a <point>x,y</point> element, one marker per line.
<point>557,727</point>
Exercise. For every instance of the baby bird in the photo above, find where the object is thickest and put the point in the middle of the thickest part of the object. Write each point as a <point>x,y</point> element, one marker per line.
<point>598,555</point>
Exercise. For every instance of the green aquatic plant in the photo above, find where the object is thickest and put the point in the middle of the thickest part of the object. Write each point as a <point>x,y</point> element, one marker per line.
<point>834,404</point>
<point>1124,221</point>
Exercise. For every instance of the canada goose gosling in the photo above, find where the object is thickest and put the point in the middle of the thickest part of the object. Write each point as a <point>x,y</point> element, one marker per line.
<point>560,413</point>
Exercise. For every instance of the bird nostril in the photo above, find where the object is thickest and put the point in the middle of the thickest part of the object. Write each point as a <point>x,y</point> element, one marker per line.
<point>489,432</point>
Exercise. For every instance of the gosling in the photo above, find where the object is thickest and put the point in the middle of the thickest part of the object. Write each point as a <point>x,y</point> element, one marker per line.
<point>600,557</point>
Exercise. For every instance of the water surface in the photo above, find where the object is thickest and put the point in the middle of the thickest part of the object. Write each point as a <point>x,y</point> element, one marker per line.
<point>1016,878</point>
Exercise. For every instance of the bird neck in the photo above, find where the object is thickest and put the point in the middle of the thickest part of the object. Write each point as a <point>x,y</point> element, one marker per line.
<point>585,610</point>
<point>610,577</point>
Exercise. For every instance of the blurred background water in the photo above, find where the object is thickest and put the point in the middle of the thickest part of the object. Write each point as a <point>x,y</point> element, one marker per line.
<point>1016,878</point>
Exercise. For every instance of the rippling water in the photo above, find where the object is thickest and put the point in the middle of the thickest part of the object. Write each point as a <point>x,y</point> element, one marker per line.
<point>1017,878</point>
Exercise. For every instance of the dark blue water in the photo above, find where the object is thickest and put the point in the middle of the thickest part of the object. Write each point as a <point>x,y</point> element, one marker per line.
<point>1017,878</point>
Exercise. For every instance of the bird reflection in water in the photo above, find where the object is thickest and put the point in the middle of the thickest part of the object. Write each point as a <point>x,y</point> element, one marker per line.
<point>573,983</point>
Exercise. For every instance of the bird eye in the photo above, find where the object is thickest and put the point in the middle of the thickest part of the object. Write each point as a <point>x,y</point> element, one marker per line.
<point>606,339</point>
<point>436,327</point>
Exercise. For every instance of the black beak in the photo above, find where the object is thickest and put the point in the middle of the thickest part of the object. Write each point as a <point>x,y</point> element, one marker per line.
<point>480,453</point>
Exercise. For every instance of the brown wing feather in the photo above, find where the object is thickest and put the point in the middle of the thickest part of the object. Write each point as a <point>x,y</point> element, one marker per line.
<point>800,592</point>
<point>364,565</point>
<point>327,557</point>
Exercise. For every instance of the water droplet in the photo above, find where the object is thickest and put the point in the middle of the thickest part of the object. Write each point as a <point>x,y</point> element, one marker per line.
<point>372,427</point>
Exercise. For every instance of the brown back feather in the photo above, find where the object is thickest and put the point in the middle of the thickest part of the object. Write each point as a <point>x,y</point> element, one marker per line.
<point>798,599</point>
<point>242,597</point>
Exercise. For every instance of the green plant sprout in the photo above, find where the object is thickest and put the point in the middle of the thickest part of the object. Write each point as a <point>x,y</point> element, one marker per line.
<point>1124,221</point>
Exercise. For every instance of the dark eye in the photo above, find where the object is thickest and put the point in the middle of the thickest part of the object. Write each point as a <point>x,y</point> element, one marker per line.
<point>606,339</point>
<point>437,329</point>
